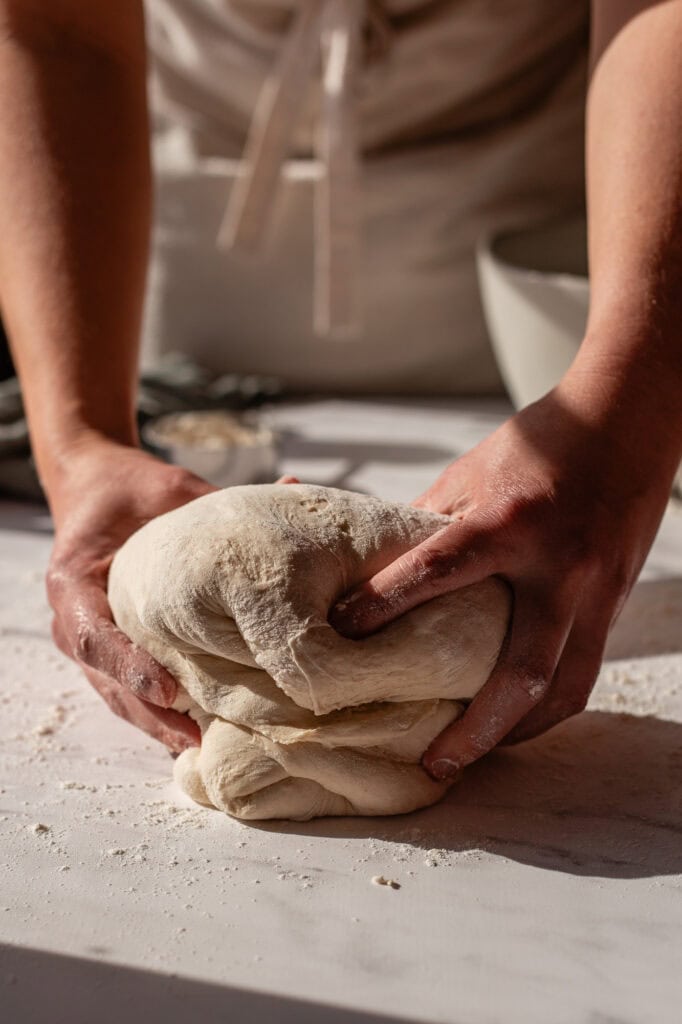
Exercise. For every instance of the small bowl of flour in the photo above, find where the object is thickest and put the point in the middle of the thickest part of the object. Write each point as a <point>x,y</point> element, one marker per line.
<point>222,448</point>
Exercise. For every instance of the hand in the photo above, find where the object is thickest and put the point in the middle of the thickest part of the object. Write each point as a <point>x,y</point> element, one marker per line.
<point>108,492</point>
<point>562,502</point>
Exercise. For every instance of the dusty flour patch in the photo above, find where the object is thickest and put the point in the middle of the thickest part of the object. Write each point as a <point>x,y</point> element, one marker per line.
<point>640,687</point>
<point>170,817</point>
<point>117,831</point>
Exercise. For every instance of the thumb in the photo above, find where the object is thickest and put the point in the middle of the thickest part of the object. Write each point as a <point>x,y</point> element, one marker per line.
<point>454,557</point>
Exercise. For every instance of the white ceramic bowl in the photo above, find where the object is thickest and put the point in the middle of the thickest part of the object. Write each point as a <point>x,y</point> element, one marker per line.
<point>535,297</point>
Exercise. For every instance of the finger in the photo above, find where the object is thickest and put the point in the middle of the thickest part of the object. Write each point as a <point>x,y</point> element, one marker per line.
<point>520,680</point>
<point>288,480</point>
<point>454,557</point>
<point>573,682</point>
<point>87,630</point>
<point>175,730</point>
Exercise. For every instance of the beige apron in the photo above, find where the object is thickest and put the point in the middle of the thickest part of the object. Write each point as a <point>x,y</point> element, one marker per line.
<point>466,116</point>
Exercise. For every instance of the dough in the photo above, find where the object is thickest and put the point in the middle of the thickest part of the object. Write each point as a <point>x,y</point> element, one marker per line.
<point>231,593</point>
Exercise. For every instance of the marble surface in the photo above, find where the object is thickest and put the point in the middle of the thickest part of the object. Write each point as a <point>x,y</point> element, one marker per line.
<point>545,889</point>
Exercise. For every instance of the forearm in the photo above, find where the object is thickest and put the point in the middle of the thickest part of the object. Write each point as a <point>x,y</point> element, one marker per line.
<point>74,216</point>
<point>633,346</point>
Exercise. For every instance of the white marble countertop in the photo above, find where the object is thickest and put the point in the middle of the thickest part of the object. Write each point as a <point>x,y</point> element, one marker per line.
<point>545,889</point>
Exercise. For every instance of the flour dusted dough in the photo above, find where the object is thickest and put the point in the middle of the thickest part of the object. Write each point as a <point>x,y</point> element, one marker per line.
<point>231,593</point>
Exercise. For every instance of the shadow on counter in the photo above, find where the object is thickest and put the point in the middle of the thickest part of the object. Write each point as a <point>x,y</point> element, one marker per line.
<point>39,987</point>
<point>600,796</point>
<point>650,624</point>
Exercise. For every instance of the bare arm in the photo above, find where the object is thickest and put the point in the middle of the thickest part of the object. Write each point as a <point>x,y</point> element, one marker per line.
<point>74,227</point>
<point>634,175</point>
<point>563,502</point>
<point>74,217</point>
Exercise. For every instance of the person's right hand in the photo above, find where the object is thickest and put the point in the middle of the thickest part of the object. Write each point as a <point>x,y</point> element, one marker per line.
<point>106,492</point>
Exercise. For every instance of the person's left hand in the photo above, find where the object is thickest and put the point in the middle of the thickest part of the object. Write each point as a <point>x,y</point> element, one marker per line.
<point>562,505</point>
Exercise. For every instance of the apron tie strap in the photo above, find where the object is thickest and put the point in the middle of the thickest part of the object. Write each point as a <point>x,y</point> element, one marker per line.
<point>331,29</point>
<point>336,192</point>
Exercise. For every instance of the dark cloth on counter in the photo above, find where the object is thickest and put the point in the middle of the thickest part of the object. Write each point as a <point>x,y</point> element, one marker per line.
<point>175,385</point>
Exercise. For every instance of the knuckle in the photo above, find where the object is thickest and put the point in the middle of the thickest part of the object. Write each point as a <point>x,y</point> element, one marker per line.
<point>533,682</point>
<point>561,713</point>
<point>593,564</point>
<point>490,533</point>
<point>518,510</point>
<point>618,580</point>
<point>431,561</point>
<point>418,568</point>
<point>90,641</point>
<point>55,584</point>
<point>577,704</point>
<point>437,561</point>
<point>180,482</point>
<point>580,561</point>
<point>84,643</point>
<point>539,522</point>
<point>511,514</point>
<point>137,681</point>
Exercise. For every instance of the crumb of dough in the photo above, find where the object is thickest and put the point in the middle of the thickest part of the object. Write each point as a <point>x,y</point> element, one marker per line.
<point>390,882</point>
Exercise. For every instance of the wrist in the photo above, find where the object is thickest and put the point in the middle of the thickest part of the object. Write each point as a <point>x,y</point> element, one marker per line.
<point>75,415</point>
<point>62,463</point>
<point>632,395</point>
<point>633,347</point>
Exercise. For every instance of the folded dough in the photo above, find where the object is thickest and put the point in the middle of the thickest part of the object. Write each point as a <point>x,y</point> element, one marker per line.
<point>231,593</point>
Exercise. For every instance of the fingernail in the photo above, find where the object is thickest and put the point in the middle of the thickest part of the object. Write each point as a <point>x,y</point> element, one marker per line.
<point>444,769</point>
